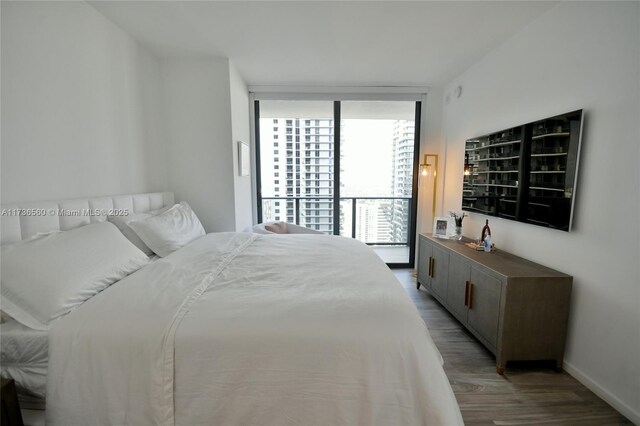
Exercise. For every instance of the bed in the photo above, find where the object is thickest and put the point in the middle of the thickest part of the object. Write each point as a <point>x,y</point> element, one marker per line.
<point>242,328</point>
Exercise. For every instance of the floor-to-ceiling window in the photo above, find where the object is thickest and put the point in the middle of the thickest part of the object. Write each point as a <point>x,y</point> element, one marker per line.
<point>297,150</point>
<point>341,167</point>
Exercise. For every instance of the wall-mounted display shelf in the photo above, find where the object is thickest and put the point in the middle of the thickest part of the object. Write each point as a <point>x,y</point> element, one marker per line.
<point>526,173</point>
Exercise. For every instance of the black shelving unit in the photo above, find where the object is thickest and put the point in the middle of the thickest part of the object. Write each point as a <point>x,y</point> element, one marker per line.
<point>526,173</point>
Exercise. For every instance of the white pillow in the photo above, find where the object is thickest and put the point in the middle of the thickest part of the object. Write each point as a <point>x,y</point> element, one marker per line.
<point>169,231</point>
<point>46,277</point>
<point>122,222</point>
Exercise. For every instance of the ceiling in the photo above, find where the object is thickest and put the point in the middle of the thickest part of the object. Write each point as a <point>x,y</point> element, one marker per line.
<point>387,43</point>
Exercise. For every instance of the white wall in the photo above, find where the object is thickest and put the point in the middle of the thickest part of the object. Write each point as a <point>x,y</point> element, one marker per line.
<point>198,119</point>
<point>87,111</point>
<point>206,112</point>
<point>577,55</point>
<point>430,143</point>
<point>80,106</point>
<point>240,130</point>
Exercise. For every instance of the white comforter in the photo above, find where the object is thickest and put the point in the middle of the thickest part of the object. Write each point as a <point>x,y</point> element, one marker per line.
<point>250,330</point>
<point>23,357</point>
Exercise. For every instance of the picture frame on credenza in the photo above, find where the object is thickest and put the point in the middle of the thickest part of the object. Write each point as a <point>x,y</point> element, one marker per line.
<point>444,227</point>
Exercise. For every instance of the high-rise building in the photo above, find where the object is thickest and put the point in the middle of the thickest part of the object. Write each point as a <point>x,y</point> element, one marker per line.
<point>299,152</point>
<point>297,156</point>
<point>401,179</point>
<point>366,223</point>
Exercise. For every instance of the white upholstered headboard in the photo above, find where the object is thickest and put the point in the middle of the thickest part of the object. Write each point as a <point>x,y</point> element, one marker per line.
<point>23,220</point>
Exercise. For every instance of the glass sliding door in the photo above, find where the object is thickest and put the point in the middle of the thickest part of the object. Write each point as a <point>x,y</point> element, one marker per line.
<point>296,151</point>
<point>377,176</point>
<point>344,168</point>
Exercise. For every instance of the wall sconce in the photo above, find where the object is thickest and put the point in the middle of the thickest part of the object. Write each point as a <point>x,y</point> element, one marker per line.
<point>424,167</point>
<point>424,171</point>
<point>468,167</point>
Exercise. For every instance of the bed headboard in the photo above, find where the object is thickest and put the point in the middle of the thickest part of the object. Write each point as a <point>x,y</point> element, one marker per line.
<point>23,220</point>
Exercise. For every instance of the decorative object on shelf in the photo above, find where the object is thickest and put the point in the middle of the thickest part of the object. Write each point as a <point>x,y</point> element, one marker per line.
<point>485,231</point>
<point>479,246</point>
<point>485,238</point>
<point>444,227</point>
<point>458,220</point>
<point>487,243</point>
<point>475,246</point>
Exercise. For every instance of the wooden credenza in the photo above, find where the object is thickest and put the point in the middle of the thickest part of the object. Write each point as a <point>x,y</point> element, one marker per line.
<point>517,308</point>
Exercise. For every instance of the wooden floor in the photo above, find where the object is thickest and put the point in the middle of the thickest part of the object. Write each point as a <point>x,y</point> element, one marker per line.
<point>527,394</point>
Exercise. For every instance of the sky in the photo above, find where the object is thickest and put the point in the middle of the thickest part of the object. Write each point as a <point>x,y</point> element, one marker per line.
<point>367,147</point>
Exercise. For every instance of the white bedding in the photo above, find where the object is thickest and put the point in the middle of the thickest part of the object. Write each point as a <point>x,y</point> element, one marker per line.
<point>248,329</point>
<point>24,356</point>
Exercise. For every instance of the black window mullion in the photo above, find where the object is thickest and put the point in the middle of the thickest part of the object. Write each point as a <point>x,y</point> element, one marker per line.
<point>413,210</point>
<point>336,167</point>
<point>256,106</point>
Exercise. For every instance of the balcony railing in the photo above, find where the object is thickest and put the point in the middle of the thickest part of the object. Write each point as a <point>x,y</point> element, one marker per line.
<point>386,217</point>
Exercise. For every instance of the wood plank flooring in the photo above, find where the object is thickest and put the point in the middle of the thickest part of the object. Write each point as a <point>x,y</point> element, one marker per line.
<point>527,394</point>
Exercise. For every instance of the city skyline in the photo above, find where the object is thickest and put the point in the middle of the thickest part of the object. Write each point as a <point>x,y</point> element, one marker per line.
<point>376,160</point>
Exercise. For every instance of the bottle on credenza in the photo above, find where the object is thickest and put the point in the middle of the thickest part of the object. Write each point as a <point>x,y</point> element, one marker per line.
<point>485,239</point>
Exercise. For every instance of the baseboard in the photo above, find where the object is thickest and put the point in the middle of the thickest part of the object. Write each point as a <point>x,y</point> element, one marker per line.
<point>624,409</point>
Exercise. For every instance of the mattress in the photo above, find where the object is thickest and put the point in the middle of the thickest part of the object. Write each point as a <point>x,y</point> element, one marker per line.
<point>24,357</point>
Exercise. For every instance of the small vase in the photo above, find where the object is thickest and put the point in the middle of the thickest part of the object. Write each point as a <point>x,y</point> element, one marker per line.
<point>458,234</point>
